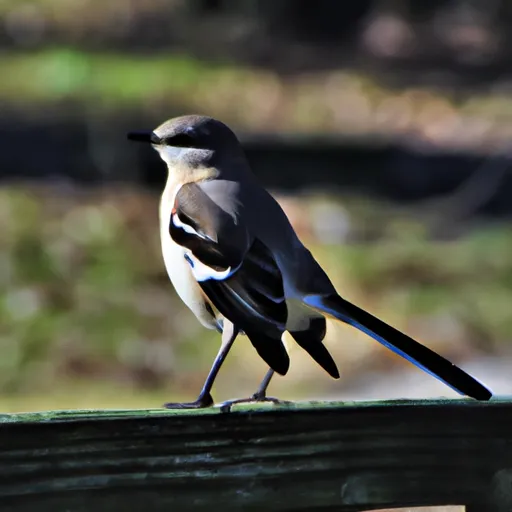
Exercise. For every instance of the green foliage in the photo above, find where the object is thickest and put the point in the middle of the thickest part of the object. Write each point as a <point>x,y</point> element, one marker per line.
<point>112,79</point>
<point>342,102</point>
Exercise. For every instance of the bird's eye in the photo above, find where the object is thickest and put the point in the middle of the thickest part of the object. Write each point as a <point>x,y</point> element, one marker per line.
<point>182,140</point>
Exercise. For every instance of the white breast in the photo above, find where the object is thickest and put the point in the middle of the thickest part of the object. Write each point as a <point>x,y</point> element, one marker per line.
<point>178,269</point>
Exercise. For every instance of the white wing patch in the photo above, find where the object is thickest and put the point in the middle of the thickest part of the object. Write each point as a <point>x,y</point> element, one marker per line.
<point>200,271</point>
<point>203,272</point>
<point>188,229</point>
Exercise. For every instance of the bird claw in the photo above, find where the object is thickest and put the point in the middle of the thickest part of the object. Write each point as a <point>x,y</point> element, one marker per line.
<point>202,402</point>
<point>256,398</point>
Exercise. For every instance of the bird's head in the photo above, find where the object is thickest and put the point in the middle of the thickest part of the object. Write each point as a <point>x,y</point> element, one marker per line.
<point>192,142</point>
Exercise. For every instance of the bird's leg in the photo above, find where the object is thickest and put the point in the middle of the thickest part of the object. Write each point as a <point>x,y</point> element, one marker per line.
<point>229,334</point>
<point>259,396</point>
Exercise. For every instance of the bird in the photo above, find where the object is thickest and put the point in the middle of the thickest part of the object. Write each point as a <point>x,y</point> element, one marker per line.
<point>237,263</point>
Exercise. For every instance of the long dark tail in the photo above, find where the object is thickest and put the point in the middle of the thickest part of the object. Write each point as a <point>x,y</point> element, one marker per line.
<point>439,367</point>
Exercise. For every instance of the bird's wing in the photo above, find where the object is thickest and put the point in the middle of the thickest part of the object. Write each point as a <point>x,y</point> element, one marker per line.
<point>236,271</point>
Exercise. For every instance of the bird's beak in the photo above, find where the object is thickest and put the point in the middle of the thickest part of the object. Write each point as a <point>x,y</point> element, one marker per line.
<point>144,136</point>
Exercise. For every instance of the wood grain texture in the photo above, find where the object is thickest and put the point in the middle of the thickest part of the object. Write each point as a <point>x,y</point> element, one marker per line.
<point>311,456</point>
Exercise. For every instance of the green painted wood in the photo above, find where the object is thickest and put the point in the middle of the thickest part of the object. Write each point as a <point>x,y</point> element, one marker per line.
<point>306,456</point>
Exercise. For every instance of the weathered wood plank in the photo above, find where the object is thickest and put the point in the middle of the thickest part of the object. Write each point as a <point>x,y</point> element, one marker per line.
<point>329,456</point>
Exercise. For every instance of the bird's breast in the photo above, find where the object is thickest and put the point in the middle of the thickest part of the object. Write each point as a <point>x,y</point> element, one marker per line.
<point>178,269</point>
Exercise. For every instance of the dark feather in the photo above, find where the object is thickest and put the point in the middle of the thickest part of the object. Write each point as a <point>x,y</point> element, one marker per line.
<point>254,296</point>
<point>221,243</point>
<point>254,301</point>
<point>206,251</point>
<point>311,341</point>
<point>271,349</point>
<point>401,344</point>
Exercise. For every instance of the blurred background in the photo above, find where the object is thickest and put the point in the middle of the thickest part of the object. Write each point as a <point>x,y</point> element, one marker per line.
<point>383,127</point>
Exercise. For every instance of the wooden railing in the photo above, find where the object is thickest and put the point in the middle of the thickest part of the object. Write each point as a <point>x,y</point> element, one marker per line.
<point>308,456</point>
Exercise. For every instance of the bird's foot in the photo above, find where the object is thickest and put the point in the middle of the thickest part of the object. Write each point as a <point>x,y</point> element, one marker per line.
<point>256,398</point>
<point>202,402</point>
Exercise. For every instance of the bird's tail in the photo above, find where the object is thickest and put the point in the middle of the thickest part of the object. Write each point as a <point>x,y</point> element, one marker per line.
<point>335,306</point>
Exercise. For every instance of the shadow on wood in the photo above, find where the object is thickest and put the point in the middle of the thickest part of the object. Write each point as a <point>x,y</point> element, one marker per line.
<point>309,456</point>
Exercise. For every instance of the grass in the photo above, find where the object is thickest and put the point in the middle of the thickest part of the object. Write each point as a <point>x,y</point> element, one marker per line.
<point>54,74</point>
<point>89,318</point>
